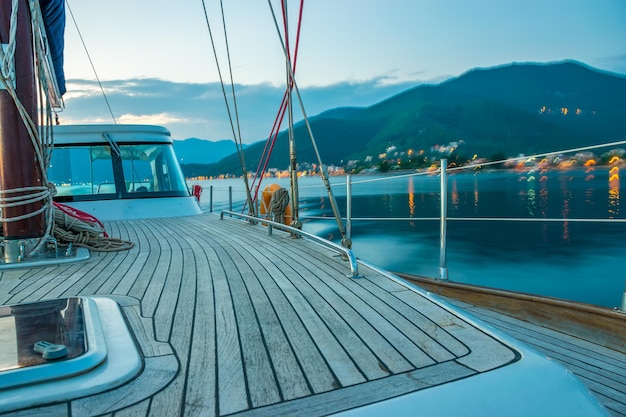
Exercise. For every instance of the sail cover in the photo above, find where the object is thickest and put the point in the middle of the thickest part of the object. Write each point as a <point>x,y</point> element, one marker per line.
<point>54,20</point>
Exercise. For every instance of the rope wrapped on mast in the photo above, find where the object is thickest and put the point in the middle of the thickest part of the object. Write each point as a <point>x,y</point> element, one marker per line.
<point>35,196</point>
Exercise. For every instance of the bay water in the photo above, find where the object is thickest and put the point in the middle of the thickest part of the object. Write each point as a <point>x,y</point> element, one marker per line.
<point>557,233</point>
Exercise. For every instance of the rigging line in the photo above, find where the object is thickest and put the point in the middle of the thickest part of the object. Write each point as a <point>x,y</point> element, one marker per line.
<point>333,202</point>
<point>278,120</point>
<point>90,61</point>
<point>498,162</point>
<point>271,141</point>
<point>232,85</point>
<point>230,117</point>
<point>519,158</point>
<point>269,146</point>
<point>239,145</point>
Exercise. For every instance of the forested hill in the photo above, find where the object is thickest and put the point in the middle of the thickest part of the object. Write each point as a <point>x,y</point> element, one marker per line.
<point>511,109</point>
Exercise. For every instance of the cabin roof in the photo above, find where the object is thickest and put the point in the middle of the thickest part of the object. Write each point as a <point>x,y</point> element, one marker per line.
<point>120,133</point>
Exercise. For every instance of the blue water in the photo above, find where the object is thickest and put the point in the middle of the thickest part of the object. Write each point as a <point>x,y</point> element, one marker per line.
<point>580,261</point>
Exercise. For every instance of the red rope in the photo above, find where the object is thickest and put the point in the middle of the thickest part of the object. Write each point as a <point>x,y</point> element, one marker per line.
<point>80,215</point>
<point>278,120</point>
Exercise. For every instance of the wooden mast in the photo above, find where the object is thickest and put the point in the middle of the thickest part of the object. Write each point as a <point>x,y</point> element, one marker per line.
<point>18,166</point>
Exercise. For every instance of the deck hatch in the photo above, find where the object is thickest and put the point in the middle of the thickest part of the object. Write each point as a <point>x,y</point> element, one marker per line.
<point>69,322</point>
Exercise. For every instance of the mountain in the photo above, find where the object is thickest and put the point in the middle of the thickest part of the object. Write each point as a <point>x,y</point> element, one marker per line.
<point>511,109</point>
<point>200,151</point>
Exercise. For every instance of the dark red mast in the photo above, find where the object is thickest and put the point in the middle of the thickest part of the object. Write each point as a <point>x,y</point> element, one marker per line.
<point>18,167</point>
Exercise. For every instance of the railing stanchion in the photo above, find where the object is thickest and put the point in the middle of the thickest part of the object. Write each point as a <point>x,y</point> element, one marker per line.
<point>349,206</point>
<point>443,269</point>
<point>211,199</point>
<point>230,198</point>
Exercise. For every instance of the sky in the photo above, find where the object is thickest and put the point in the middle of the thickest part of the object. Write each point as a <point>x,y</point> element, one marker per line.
<point>156,62</point>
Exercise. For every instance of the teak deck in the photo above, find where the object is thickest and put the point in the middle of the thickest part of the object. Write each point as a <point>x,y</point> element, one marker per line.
<point>231,321</point>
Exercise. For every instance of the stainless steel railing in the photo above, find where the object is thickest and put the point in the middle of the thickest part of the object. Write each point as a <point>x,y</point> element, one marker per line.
<point>349,255</point>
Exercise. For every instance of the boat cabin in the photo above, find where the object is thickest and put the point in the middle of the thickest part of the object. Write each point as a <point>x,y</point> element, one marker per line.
<point>113,171</point>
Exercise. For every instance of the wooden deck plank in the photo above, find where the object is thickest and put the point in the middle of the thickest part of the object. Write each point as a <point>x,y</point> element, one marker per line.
<point>201,390</point>
<point>232,395</point>
<point>485,351</point>
<point>439,344</point>
<point>289,376</point>
<point>480,361</point>
<point>137,410</point>
<point>170,401</point>
<point>261,383</point>
<point>329,307</point>
<point>108,277</point>
<point>318,374</point>
<point>18,287</point>
<point>361,394</point>
<point>143,331</point>
<point>393,352</point>
<point>405,336</point>
<point>169,297</point>
<point>342,364</point>
<point>158,372</point>
<point>74,279</point>
<point>156,282</point>
<point>344,370</point>
<point>147,244</point>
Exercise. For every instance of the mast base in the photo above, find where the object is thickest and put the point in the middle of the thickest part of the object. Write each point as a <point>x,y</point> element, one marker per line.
<point>15,254</point>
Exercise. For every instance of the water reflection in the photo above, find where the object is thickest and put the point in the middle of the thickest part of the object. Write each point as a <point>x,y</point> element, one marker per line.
<point>411,191</point>
<point>454,193</point>
<point>532,208</point>
<point>565,211</point>
<point>475,194</point>
<point>614,192</point>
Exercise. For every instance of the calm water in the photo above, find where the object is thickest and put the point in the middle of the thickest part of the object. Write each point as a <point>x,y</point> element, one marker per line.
<point>570,260</point>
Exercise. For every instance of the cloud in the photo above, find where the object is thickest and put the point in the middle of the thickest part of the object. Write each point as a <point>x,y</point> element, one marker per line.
<point>149,119</point>
<point>199,110</point>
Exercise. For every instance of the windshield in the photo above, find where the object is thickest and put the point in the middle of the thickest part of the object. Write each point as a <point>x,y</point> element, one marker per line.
<point>132,170</point>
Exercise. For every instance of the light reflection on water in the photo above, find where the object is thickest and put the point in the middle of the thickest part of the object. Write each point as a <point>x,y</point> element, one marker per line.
<point>614,192</point>
<point>571,260</point>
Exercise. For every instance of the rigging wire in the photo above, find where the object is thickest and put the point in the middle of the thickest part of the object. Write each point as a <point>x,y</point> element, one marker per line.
<point>90,61</point>
<point>346,242</point>
<point>271,140</point>
<point>230,117</point>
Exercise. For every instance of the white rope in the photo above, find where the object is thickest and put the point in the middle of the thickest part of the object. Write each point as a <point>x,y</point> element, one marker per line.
<point>41,139</point>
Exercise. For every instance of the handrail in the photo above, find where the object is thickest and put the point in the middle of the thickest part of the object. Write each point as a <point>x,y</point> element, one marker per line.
<point>354,268</point>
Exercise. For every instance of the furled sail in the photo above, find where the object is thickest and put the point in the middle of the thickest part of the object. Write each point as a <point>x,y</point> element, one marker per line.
<point>53,12</point>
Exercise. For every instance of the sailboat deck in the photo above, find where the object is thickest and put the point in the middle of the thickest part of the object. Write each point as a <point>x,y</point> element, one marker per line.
<point>233,321</point>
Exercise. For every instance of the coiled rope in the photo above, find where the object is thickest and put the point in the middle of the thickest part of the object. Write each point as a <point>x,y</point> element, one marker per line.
<point>278,204</point>
<point>81,229</point>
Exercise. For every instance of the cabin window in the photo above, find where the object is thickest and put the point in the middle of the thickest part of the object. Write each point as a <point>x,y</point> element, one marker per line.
<point>94,172</point>
<point>82,170</point>
<point>151,168</point>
